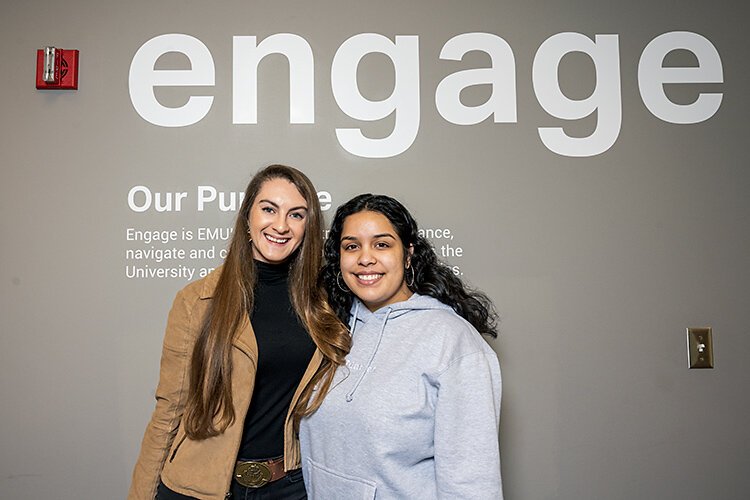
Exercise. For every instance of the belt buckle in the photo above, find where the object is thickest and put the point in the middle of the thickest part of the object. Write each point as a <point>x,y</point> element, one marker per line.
<point>252,474</point>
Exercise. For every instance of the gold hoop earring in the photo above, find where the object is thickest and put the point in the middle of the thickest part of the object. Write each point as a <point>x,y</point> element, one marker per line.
<point>338,283</point>
<point>249,236</point>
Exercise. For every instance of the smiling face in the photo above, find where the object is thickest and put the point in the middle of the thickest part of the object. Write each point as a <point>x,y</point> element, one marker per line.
<point>372,260</point>
<point>278,217</point>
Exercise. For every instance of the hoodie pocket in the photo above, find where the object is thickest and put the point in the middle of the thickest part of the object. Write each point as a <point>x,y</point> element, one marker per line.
<point>326,484</point>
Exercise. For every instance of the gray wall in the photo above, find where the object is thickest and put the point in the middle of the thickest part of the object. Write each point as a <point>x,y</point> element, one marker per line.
<point>596,263</point>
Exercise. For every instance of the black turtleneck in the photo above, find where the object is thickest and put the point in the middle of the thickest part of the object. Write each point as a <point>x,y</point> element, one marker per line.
<point>284,350</point>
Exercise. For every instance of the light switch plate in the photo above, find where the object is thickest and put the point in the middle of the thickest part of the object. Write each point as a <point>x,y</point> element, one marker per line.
<point>700,348</point>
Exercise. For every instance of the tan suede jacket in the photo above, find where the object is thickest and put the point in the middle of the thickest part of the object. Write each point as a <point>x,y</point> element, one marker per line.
<point>201,469</point>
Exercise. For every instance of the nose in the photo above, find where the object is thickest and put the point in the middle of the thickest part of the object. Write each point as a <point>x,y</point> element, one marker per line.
<point>366,257</point>
<point>281,225</point>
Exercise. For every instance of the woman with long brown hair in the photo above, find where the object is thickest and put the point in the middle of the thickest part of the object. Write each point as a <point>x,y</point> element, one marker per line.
<point>243,349</point>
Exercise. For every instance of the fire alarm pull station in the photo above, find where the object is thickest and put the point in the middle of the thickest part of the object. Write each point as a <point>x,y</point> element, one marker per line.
<point>56,69</point>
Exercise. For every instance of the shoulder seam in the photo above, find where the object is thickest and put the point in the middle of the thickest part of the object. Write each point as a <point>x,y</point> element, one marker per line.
<point>457,359</point>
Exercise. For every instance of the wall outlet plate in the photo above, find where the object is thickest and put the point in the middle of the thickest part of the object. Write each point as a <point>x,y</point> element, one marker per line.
<point>700,348</point>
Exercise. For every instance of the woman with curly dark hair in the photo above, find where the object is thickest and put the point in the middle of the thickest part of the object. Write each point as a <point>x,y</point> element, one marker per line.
<point>243,350</point>
<point>414,413</point>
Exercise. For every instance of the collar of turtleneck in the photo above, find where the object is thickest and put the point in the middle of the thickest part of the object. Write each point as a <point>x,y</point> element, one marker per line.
<point>270,274</point>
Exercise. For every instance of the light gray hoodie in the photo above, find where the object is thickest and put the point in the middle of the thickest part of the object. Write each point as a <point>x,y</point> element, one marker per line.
<point>413,415</point>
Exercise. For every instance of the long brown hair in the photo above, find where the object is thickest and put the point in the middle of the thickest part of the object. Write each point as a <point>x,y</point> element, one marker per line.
<point>209,408</point>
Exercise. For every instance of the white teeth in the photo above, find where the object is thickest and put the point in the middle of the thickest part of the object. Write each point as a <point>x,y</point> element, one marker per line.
<point>276,240</point>
<point>369,277</point>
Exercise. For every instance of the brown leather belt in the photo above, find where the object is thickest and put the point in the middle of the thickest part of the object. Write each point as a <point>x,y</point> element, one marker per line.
<point>256,474</point>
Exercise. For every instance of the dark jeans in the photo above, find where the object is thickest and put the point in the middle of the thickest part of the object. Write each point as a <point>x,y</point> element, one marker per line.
<point>289,487</point>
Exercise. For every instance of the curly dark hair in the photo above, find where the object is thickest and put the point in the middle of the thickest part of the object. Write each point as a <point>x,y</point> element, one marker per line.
<point>430,276</point>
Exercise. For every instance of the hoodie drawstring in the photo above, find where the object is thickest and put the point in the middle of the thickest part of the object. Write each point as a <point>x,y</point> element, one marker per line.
<point>353,320</point>
<point>350,396</point>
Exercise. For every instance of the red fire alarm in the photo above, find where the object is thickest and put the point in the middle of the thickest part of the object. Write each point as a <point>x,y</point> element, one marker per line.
<point>57,69</point>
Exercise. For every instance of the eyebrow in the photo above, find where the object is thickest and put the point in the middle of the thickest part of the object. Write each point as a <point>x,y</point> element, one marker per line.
<point>381,235</point>
<point>301,207</point>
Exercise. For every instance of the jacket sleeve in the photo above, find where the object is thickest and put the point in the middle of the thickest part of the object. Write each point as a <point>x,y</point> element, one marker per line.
<point>467,417</point>
<point>170,402</point>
